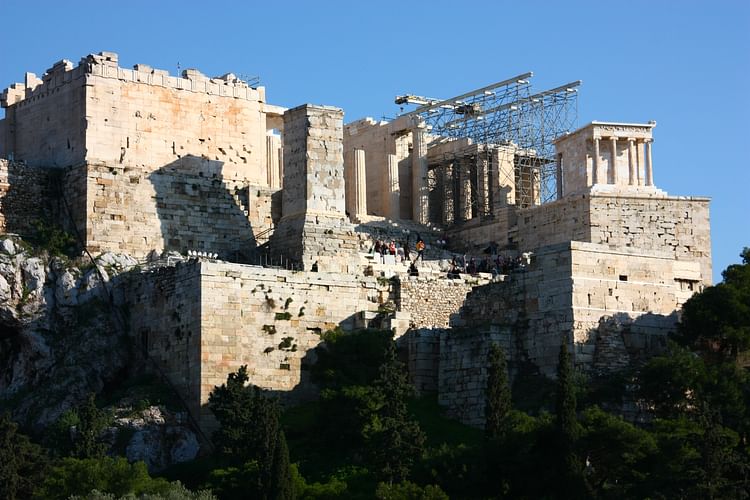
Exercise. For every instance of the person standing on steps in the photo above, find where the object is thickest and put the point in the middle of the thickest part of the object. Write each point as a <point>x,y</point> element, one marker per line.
<point>420,248</point>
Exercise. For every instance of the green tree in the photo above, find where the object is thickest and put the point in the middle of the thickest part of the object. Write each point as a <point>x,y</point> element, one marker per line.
<point>498,400</point>
<point>22,463</point>
<point>409,491</point>
<point>395,440</point>
<point>91,423</point>
<point>717,320</point>
<point>570,468</point>
<point>72,476</point>
<point>250,434</point>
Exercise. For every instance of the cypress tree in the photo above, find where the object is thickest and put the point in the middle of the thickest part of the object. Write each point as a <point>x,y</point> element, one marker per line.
<point>282,485</point>
<point>395,439</point>
<point>570,469</point>
<point>498,402</point>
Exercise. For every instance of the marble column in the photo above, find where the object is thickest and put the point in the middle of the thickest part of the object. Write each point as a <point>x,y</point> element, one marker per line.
<point>639,157</point>
<point>273,145</point>
<point>449,210</point>
<point>392,193</point>
<point>419,189</point>
<point>632,174</point>
<point>559,176</point>
<point>595,169</point>
<point>464,194</point>
<point>613,162</point>
<point>649,164</point>
<point>360,184</point>
<point>483,199</point>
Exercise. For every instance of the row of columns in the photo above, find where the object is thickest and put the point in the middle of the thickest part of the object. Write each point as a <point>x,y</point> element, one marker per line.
<point>634,178</point>
<point>356,186</point>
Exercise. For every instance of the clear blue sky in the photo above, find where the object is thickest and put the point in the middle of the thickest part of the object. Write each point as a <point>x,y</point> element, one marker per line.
<point>684,64</point>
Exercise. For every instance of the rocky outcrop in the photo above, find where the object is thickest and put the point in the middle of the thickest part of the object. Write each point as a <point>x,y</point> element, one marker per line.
<point>59,340</point>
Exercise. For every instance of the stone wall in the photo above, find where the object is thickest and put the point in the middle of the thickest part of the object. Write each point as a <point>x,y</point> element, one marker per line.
<point>24,197</point>
<point>144,118</point>
<point>203,320</point>
<point>45,120</point>
<point>431,301</point>
<point>165,322</point>
<point>186,206</point>
<point>678,225</point>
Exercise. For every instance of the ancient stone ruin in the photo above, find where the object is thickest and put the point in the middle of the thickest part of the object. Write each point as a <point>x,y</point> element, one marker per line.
<point>536,233</point>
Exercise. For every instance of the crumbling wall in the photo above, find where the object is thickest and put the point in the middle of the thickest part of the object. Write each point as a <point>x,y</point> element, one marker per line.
<point>24,198</point>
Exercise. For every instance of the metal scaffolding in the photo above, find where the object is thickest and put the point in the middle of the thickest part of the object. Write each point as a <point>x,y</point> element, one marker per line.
<point>504,113</point>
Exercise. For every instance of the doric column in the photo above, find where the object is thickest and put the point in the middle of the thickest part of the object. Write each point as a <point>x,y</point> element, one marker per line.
<point>595,168</point>
<point>613,163</point>
<point>449,206</point>
<point>419,189</point>
<point>464,187</point>
<point>483,199</point>
<point>649,165</point>
<point>273,144</point>
<point>632,174</point>
<point>559,176</point>
<point>392,193</point>
<point>360,184</point>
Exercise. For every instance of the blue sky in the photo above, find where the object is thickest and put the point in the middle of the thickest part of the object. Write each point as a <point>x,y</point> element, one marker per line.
<point>684,64</point>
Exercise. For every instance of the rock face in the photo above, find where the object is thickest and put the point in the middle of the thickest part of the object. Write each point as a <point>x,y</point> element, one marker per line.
<point>57,337</point>
<point>158,437</point>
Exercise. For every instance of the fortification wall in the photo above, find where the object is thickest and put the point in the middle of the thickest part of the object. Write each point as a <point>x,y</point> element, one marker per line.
<point>165,323</point>
<point>23,197</point>
<point>45,120</point>
<point>678,225</point>
<point>141,117</point>
<point>431,301</point>
<point>202,320</point>
<point>186,206</point>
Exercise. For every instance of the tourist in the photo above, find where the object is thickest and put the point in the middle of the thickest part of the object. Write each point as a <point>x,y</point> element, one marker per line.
<point>420,248</point>
<point>413,271</point>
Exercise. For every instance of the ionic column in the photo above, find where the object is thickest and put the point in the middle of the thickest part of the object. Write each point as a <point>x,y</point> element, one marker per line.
<point>419,189</point>
<point>639,157</point>
<point>360,184</point>
<point>392,193</point>
<point>649,165</point>
<point>273,144</point>
<point>632,174</point>
<point>595,169</point>
<point>559,176</point>
<point>613,163</point>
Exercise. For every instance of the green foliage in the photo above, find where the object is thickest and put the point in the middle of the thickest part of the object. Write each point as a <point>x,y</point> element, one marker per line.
<point>717,320</point>
<point>394,439</point>
<point>72,476</point>
<point>250,438</point>
<point>283,316</point>
<point>91,423</point>
<point>570,468</point>
<point>409,491</point>
<point>334,488</point>
<point>350,358</point>
<point>22,463</point>
<point>53,240</point>
<point>175,492</point>
<point>497,404</point>
<point>59,435</point>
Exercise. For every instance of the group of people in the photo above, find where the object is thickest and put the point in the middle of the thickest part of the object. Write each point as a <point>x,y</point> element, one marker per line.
<point>400,251</point>
<point>498,264</point>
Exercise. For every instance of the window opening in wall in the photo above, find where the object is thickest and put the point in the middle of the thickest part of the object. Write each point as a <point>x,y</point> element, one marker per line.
<point>623,277</point>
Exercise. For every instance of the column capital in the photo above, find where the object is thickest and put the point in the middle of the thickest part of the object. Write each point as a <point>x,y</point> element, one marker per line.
<point>631,139</point>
